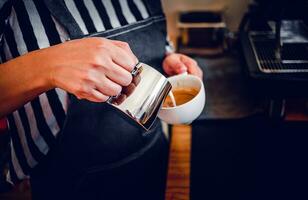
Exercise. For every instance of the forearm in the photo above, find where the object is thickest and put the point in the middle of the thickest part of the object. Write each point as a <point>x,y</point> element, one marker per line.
<point>95,74</point>
<point>21,80</point>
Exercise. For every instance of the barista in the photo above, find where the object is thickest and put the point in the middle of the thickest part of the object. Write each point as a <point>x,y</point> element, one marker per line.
<point>38,70</point>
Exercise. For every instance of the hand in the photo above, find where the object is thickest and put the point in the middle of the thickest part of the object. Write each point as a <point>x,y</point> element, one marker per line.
<point>178,63</point>
<point>92,68</point>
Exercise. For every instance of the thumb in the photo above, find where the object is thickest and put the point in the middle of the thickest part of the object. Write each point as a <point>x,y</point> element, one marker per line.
<point>173,65</point>
<point>178,65</point>
<point>180,68</point>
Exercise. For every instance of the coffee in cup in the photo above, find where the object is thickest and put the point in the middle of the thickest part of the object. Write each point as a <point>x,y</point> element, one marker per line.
<point>180,96</point>
<point>189,98</point>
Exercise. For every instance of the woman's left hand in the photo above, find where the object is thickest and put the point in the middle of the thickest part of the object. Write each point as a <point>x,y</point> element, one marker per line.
<point>176,63</point>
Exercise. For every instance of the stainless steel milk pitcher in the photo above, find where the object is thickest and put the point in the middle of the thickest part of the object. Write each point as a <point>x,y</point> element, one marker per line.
<point>143,98</point>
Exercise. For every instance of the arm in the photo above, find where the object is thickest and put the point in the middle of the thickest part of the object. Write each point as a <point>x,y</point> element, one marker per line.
<point>92,69</point>
<point>20,82</point>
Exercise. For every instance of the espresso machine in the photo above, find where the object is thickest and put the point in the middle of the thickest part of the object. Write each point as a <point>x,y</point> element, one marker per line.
<point>273,37</point>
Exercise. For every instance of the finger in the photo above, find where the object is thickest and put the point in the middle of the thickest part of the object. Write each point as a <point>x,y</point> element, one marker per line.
<point>88,92</point>
<point>97,96</point>
<point>174,65</point>
<point>192,66</point>
<point>167,68</point>
<point>177,65</point>
<point>122,58</point>
<point>99,81</point>
<point>117,74</point>
<point>125,46</point>
<point>180,67</point>
<point>108,87</point>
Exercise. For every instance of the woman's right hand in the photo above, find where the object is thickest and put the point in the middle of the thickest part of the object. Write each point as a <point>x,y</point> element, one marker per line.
<point>92,68</point>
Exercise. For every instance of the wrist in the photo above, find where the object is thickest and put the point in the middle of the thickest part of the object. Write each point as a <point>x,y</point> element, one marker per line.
<point>41,70</point>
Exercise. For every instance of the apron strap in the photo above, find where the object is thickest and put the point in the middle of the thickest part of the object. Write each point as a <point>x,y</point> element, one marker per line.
<point>59,10</point>
<point>154,7</point>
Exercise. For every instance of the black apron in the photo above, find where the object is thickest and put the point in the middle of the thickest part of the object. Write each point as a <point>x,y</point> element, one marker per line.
<point>95,137</point>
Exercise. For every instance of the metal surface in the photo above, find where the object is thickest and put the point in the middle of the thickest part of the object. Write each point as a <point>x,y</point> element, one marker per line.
<point>264,45</point>
<point>142,99</point>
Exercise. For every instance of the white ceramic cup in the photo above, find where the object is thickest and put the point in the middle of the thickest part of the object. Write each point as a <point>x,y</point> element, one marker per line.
<point>189,111</point>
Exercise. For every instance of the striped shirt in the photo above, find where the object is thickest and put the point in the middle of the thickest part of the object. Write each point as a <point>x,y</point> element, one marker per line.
<point>27,25</point>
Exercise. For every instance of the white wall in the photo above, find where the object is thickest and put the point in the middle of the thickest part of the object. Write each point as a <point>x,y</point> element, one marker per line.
<point>233,14</point>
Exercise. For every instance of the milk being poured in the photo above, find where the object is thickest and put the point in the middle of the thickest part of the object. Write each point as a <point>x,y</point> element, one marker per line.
<point>172,98</point>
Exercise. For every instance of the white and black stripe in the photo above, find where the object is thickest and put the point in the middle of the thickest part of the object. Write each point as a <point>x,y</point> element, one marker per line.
<point>102,13</point>
<point>29,27</point>
<point>141,8</point>
<point>117,7</point>
<point>94,15</point>
<point>130,18</point>
<point>114,20</point>
<point>85,15</point>
<point>75,13</point>
<point>17,151</point>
